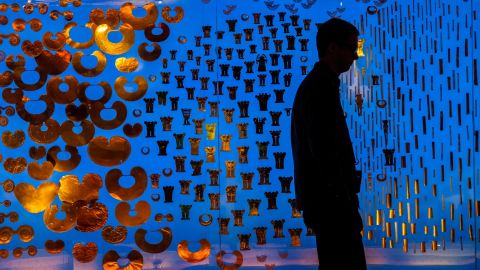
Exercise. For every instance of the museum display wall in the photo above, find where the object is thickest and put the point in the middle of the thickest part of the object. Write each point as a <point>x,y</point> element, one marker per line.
<point>156,135</point>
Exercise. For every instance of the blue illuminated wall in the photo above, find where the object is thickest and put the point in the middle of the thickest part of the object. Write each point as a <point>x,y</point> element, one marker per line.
<point>211,149</point>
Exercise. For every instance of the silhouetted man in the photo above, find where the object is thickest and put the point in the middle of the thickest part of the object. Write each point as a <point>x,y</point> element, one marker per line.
<point>326,185</point>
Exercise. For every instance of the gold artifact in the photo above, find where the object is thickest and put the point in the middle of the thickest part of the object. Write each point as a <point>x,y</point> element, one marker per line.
<point>54,44</point>
<point>122,212</point>
<point>78,45</point>
<point>60,225</point>
<point>82,96</point>
<point>85,253</point>
<point>194,257</point>
<point>360,44</point>
<point>36,118</point>
<point>75,113</point>
<point>153,248</point>
<point>109,153</point>
<point>12,64</point>
<point>149,55</point>
<point>15,165</point>
<point>203,221</point>
<point>64,3</point>
<point>142,87</point>
<point>110,261</point>
<point>12,216</point>
<point>98,17</point>
<point>17,78</point>
<point>120,115</point>
<point>90,216</point>
<point>132,131</point>
<point>25,234</point>
<point>172,19</point>
<point>35,200</point>
<point>18,25</point>
<point>62,97</point>
<point>63,165</point>
<point>54,64</point>
<point>114,235</point>
<point>54,247</point>
<point>13,38</point>
<point>77,139</point>
<point>72,191</point>
<point>48,136</point>
<point>89,72</point>
<point>8,185</point>
<point>139,23</point>
<point>123,46</point>
<point>157,38</point>
<point>32,49</point>
<point>126,64</point>
<point>40,172</point>
<point>124,194</point>
<point>14,140</point>
<point>237,263</point>
<point>6,78</point>
<point>18,251</point>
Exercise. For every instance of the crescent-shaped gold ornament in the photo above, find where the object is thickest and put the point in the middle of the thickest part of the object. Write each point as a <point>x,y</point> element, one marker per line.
<point>157,38</point>
<point>154,248</point>
<point>35,118</point>
<point>54,64</point>
<point>14,64</point>
<point>77,139</point>
<point>110,261</point>
<point>48,136</point>
<point>149,56</point>
<point>64,165</point>
<point>35,200</point>
<point>61,97</point>
<point>40,172</point>
<point>18,74</point>
<point>120,115</point>
<point>108,153</point>
<point>89,72</point>
<point>123,46</point>
<point>124,194</point>
<point>82,96</point>
<point>142,87</point>
<point>54,44</point>
<point>72,191</point>
<point>79,45</point>
<point>122,212</point>
<point>172,19</point>
<point>234,266</point>
<point>194,257</point>
<point>114,235</point>
<point>126,15</point>
<point>60,225</point>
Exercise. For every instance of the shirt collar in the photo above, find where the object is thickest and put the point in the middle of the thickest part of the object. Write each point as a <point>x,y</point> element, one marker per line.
<point>323,70</point>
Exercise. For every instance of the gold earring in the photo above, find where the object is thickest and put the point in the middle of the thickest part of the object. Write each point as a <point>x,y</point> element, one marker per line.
<point>12,64</point>
<point>123,46</point>
<point>110,261</point>
<point>237,263</point>
<point>175,19</point>
<point>85,253</point>
<point>6,78</point>
<point>56,44</point>
<point>126,14</point>
<point>122,212</point>
<point>114,235</point>
<point>63,225</point>
<point>157,38</point>
<point>36,118</point>
<point>142,87</point>
<point>98,16</point>
<point>120,115</point>
<point>48,136</point>
<point>15,165</point>
<point>79,45</point>
<point>153,248</point>
<point>82,96</point>
<point>54,247</point>
<point>60,97</point>
<point>14,140</point>
<point>61,165</point>
<point>77,139</point>
<point>42,79</point>
<point>54,64</point>
<point>89,72</point>
<point>194,257</point>
<point>125,194</point>
<point>149,56</point>
<point>109,153</point>
<point>71,191</point>
<point>35,200</point>
<point>40,172</point>
<point>126,64</point>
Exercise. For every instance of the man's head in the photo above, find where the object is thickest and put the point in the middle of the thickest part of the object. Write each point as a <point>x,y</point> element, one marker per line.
<point>337,44</point>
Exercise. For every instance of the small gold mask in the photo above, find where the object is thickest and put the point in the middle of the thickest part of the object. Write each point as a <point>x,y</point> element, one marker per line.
<point>124,194</point>
<point>142,87</point>
<point>153,248</point>
<point>35,200</point>
<point>122,212</point>
<point>123,46</point>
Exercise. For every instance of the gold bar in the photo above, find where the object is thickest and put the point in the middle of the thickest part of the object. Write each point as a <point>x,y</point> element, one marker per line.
<point>416,187</point>
<point>395,188</point>
<point>369,235</point>
<point>388,229</point>
<point>413,228</point>
<point>404,229</point>
<point>391,243</point>
<point>400,209</point>
<point>405,245</point>
<point>434,190</point>
<point>391,214</point>
<point>452,211</point>
<point>408,212</point>
<point>444,225</point>
<point>389,200</point>
<point>379,217</point>
<point>434,231</point>
<point>417,208</point>
<point>430,213</point>
<point>423,249</point>
<point>407,187</point>
<point>460,223</point>
<point>470,232</point>
<point>384,242</point>
<point>425,229</point>
<point>434,245</point>
<point>370,220</point>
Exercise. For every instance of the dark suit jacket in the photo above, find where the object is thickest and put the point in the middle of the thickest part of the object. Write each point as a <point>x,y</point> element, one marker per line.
<point>324,161</point>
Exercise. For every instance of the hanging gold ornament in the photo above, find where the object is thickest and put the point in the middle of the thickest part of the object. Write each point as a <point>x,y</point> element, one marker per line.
<point>123,46</point>
<point>194,257</point>
<point>35,200</point>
